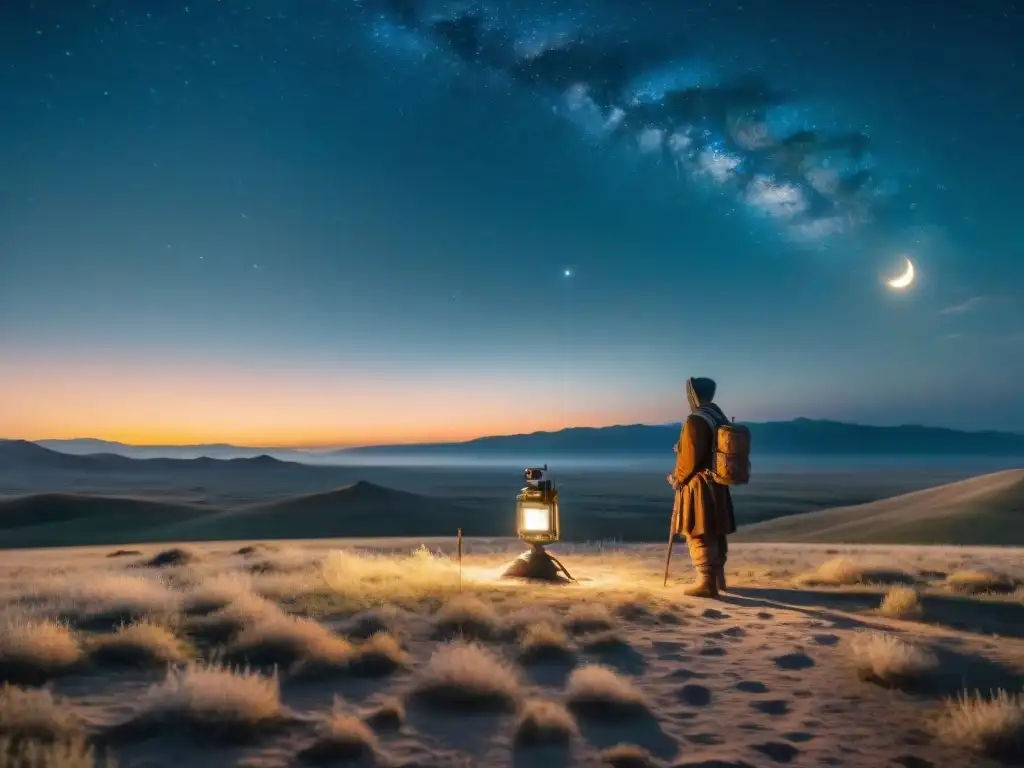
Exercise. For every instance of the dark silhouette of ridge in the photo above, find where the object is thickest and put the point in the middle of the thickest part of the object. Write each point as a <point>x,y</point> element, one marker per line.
<point>800,436</point>
<point>25,455</point>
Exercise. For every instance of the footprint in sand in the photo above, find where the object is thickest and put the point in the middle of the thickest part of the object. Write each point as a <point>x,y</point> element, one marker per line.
<point>713,651</point>
<point>695,695</point>
<point>794,661</point>
<point>764,616</point>
<point>825,639</point>
<point>798,737</point>
<point>751,686</point>
<point>685,674</point>
<point>774,707</point>
<point>779,751</point>
<point>706,739</point>
<point>712,613</point>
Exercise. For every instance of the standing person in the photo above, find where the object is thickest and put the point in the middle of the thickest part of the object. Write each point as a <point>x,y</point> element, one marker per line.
<point>704,512</point>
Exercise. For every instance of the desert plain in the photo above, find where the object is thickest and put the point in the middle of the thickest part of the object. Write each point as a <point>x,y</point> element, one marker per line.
<point>389,652</point>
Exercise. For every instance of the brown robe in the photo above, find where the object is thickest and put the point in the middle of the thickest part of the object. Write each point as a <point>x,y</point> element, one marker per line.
<point>705,507</point>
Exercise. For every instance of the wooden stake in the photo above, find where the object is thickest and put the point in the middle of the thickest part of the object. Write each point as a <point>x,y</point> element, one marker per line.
<point>460,560</point>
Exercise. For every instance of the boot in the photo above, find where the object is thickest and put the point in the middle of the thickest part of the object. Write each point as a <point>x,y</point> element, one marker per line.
<point>704,586</point>
<point>720,584</point>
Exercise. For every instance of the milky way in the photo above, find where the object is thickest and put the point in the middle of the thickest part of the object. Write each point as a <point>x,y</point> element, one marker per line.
<point>643,88</point>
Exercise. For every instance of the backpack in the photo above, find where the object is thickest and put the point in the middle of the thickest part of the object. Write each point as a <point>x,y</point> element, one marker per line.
<point>730,460</point>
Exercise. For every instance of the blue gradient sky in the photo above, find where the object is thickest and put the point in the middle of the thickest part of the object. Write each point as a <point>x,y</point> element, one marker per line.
<point>326,226</point>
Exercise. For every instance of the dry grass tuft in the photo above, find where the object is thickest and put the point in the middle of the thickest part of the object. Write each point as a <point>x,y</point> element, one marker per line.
<point>991,726</point>
<point>71,753</point>
<point>468,617</point>
<point>35,715</point>
<point>105,600</point>
<point>589,617</point>
<point>600,692</point>
<point>545,642</point>
<point>343,738</point>
<point>887,660</point>
<point>33,651</point>
<point>171,557</point>
<point>388,714</point>
<point>379,656</point>
<point>604,642</point>
<point>545,722</point>
<point>217,592</point>
<point>846,572</point>
<point>142,644</point>
<point>978,582</point>
<point>902,603</point>
<point>366,624</point>
<point>365,580</point>
<point>223,625</point>
<point>213,700</point>
<point>631,756</point>
<point>283,640</point>
<point>467,677</point>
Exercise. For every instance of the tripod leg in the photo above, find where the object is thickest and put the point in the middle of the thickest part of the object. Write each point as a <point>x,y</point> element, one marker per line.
<point>564,570</point>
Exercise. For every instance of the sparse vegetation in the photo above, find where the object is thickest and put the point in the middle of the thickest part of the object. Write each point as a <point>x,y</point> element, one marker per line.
<point>388,714</point>
<point>277,639</point>
<point>545,642</point>
<point>378,656</point>
<point>212,700</point>
<point>75,752</point>
<point>342,738</point>
<point>598,691</point>
<point>847,572</point>
<point>468,617</point>
<point>140,644</point>
<point>544,722</point>
<point>630,756</point>
<point>171,557</point>
<point>35,715</point>
<point>991,725</point>
<point>888,660</point>
<point>33,651</point>
<point>902,603</point>
<point>461,676</point>
<point>980,582</point>
<point>223,625</point>
<point>589,617</point>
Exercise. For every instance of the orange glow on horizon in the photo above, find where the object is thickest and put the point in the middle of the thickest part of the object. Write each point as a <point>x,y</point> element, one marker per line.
<point>163,404</point>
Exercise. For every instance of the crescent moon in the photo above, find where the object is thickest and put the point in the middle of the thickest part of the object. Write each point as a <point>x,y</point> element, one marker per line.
<point>904,280</point>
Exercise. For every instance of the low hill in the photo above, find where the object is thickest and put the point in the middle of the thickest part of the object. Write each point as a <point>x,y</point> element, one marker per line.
<point>800,436</point>
<point>983,510</point>
<point>22,455</point>
<point>60,519</point>
<point>358,510</point>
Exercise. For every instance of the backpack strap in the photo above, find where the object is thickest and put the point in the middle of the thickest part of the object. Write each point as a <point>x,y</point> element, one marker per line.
<point>710,416</point>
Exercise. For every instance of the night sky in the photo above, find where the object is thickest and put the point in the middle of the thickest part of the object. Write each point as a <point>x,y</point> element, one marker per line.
<point>327,223</point>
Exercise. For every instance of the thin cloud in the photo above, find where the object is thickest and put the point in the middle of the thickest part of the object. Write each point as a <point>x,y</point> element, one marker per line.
<point>968,305</point>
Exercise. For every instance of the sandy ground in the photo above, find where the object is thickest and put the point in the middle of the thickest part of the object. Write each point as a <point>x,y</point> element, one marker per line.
<point>381,653</point>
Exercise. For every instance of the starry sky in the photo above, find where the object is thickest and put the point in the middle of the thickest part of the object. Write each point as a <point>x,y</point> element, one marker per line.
<point>333,223</point>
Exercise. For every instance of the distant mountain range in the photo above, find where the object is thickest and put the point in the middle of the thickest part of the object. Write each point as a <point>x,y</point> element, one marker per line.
<point>25,455</point>
<point>800,436</point>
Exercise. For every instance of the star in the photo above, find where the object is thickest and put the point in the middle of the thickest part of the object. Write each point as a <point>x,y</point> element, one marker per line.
<point>567,273</point>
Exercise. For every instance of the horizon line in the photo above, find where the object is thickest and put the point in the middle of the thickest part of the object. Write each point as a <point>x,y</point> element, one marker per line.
<point>344,447</point>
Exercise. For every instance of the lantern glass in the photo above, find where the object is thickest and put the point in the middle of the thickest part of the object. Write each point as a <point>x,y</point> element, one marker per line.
<point>535,519</point>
